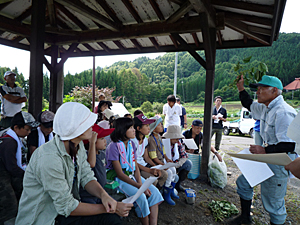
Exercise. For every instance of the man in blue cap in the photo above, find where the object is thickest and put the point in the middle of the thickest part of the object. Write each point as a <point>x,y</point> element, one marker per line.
<point>275,115</point>
<point>196,134</point>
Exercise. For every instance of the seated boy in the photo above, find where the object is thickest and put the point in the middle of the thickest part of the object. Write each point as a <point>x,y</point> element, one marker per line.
<point>42,134</point>
<point>196,134</point>
<point>96,158</point>
<point>12,168</point>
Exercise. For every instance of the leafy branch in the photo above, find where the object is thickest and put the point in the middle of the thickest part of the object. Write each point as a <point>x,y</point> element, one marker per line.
<point>251,75</point>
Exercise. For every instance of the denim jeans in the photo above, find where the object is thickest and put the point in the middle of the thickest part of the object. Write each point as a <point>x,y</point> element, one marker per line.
<point>186,166</point>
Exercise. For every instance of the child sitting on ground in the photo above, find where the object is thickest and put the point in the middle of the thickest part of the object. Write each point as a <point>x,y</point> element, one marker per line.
<point>174,134</point>
<point>96,146</point>
<point>141,126</point>
<point>122,167</point>
<point>159,157</point>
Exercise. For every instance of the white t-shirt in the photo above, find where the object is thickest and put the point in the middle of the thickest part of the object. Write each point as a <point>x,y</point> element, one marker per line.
<point>172,114</point>
<point>8,108</point>
<point>140,150</point>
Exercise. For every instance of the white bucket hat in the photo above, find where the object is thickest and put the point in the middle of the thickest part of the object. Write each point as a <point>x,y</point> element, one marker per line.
<point>72,119</point>
<point>173,132</point>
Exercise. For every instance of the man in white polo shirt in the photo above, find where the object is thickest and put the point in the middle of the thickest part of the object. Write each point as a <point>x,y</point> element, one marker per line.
<point>172,111</point>
<point>12,98</point>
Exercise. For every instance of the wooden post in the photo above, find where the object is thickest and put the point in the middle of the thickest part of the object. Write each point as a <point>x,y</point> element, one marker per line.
<point>36,56</point>
<point>209,40</point>
<point>53,79</point>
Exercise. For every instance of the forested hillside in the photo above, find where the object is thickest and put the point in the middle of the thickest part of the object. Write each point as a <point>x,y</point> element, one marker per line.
<point>152,79</point>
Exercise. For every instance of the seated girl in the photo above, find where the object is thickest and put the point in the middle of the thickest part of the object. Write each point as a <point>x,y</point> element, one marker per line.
<point>122,167</point>
<point>159,157</point>
<point>142,128</point>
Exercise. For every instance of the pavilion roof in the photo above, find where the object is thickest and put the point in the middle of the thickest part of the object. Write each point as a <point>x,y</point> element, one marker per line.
<point>293,85</point>
<point>114,27</point>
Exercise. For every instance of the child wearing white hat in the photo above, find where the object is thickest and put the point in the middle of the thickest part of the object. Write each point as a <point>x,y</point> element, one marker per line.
<point>174,134</point>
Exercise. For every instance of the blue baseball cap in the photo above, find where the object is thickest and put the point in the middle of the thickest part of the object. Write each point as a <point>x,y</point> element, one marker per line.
<point>268,81</point>
<point>197,123</point>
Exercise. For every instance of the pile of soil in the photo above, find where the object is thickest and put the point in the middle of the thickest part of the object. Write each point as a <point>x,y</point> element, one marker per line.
<point>199,213</point>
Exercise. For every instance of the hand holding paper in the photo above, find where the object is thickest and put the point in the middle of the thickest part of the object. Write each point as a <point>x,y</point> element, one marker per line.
<point>281,159</point>
<point>190,143</point>
<point>254,172</point>
<point>141,190</point>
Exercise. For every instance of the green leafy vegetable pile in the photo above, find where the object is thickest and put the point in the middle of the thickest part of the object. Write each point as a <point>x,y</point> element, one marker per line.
<point>222,209</point>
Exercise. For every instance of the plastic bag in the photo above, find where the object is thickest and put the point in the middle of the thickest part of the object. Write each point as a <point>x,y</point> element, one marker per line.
<point>217,172</point>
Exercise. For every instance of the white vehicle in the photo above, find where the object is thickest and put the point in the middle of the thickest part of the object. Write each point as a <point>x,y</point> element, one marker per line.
<point>244,125</point>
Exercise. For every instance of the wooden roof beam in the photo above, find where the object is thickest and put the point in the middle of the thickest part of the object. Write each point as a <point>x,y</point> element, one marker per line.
<point>24,15</point>
<point>247,18</point>
<point>174,41</point>
<point>90,48</point>
<point>18,39</point>
<point>132,10</point>
<point>154,42</point>
<point>178,2</point>
<point>259,30</point>
<point>220,38</point>
<point>14,45</point>
<point>14,26</point>
<point>51,12</point>
<point>185,8</point>
<point>279,9</point>
<point>62,49</point>
<point>5,3</point>
<point>153,29</point>
<point>109,11</point>
<point>189,49</point>
<point>203,6</point>
<point>243,29</point>
<point>267,9</point>
<point>196,40</point>
<point>60,65</point>
<point>102,45</point>
<point>62,24</point>
<point>71,16</point>
<point>157,9</point>
<point>81,8</point>
<point>169,48</point>
<point>120,46</point>
<point>136,44</point>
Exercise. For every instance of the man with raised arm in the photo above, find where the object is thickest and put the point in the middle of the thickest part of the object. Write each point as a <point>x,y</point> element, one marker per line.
<point>275,116</point>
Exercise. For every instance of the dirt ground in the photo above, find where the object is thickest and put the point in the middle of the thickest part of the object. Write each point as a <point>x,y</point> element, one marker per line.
<point>199,213</point>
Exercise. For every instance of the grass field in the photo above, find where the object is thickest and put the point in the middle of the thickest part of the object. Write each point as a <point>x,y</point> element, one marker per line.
<point>196,111</point>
